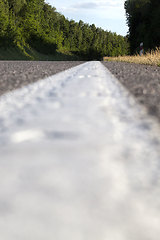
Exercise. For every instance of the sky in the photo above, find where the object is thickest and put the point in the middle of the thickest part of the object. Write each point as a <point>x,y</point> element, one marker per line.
<point>107,14</point>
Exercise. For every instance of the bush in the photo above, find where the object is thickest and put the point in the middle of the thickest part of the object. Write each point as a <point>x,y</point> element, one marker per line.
<point>42,44</point>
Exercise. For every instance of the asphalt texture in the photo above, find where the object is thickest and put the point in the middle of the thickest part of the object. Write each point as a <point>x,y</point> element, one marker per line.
<point>143,81</point>
<point>79,159</point>
<point>15,74</point>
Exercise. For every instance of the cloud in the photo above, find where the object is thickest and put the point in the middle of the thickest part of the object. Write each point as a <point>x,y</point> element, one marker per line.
<point>88,5</point>
<point>97,4</point>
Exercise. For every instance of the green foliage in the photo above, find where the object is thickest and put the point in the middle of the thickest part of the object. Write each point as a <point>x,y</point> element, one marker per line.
<point>42,44</point>
<point>4,21</point>
<point>16,5</point>
<point>36,24</point>
<point>143,18</point>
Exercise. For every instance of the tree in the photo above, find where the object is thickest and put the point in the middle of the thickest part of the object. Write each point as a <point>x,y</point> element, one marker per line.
<point>16,5</point>
<point>36,24</point>
<point>143,18</point>
<point>4,18</point>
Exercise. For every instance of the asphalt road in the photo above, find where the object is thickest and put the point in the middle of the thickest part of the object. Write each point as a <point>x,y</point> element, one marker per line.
<point>79,159</point>
<point>15,74</point>
<point>141,80</point>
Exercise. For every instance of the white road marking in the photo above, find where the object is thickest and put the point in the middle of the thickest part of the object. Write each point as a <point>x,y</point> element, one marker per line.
<point>79,159</point>
<point>26,135</point>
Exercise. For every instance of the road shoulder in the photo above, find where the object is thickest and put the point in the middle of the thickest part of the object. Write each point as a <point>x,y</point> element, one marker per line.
<point>143,81</point>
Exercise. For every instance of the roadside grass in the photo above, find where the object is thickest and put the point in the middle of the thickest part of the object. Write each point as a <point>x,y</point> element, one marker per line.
<point>13,53</point>
<point>150,58</point>
<point>58,56</point>
<point>27,53</point>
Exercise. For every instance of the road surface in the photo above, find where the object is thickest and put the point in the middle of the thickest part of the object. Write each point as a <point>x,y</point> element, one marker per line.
<point>80,159</point>
<point>143,81</point>
<point>16,74</point>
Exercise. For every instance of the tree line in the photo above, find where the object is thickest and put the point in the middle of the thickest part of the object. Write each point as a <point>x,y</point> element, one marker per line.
<point>143,18</point>
<point>36,24</point>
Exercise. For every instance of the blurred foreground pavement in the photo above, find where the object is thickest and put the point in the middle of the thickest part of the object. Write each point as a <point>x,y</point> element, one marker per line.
<point>79,159</point>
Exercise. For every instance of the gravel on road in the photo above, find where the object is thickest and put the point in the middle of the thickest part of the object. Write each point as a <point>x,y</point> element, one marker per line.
<point>15,74</point>
<point>143,81</point>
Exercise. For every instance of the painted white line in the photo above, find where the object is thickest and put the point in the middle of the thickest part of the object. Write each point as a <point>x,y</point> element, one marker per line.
<point>79,159</point>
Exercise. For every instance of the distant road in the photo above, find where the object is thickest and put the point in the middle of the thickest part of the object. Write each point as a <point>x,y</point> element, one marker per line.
<point>142,81</point>
<point>79,159</point>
